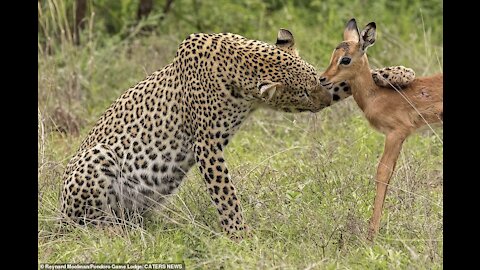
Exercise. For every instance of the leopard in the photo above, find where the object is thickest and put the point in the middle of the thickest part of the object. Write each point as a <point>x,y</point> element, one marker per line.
<point>137,154</point>
<point>394,78</point>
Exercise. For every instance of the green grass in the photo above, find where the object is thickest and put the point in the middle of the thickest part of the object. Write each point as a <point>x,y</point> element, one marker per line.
<point>305,180</point>
<point>306,186</point>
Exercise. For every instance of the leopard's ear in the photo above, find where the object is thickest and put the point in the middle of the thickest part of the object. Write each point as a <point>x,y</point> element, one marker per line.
<point>285,41</point>
<point>268,88</point>
<point>285,38</point>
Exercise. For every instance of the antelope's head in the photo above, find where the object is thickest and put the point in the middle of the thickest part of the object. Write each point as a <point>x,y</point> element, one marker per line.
<point>349,57</point>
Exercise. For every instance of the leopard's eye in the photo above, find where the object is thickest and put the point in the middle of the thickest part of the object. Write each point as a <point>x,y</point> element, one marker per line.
<point>345,60</point>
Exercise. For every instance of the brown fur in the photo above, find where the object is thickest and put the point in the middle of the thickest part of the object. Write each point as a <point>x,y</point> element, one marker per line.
<point>394,113</point>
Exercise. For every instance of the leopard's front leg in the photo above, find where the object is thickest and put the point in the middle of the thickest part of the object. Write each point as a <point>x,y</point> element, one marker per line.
<point>209,156</point>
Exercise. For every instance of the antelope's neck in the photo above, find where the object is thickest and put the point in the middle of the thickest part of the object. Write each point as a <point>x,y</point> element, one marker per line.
<point>363,88</point>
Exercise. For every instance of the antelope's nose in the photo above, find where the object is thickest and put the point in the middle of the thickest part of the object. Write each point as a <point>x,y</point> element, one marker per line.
<point>323,79</point>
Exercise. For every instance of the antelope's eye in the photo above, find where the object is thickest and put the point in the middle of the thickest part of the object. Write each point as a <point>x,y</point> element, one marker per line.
<point>345,60</point>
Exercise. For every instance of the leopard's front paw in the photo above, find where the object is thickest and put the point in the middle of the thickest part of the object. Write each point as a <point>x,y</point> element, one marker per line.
<point>240,233</point>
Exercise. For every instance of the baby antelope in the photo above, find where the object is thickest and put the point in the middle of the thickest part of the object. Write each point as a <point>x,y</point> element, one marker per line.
<point>394,113</point>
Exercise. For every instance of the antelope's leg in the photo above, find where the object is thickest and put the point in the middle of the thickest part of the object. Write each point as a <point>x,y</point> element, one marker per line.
<point>393,146</point>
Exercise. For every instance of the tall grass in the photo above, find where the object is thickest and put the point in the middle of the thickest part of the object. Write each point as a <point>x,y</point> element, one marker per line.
<point>305,181</point>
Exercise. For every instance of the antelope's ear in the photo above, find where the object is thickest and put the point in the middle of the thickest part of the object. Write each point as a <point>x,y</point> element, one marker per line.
<point>268,88</point>
<point>285,39</point>
<point>351,32</point>
<point>368,36</point>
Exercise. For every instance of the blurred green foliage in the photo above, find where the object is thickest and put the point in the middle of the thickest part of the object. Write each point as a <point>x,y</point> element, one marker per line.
<point>255,18</point>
